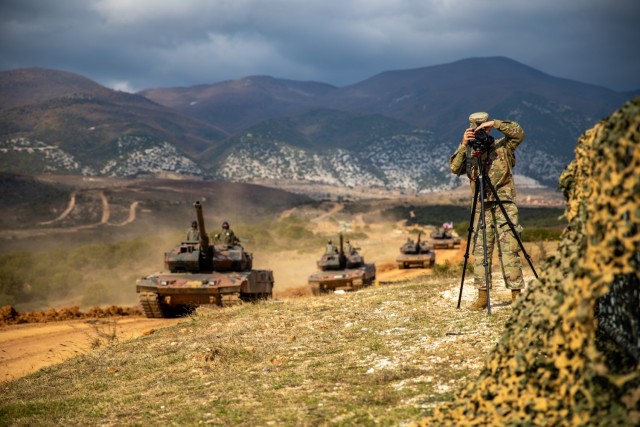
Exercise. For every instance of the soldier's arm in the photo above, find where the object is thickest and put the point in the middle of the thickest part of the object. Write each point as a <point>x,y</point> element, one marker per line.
<point>512,131</point>
<point>458,160</point>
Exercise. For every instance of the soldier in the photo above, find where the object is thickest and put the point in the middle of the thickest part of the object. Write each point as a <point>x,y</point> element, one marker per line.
<point>498,161</point>
<point>330,249</point>
<point>226,235</point>
<point>193,235</point>
<point>349,249</point>
<point>446,231</point>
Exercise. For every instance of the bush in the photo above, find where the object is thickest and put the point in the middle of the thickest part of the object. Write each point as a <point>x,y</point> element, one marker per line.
<point>540,234</point>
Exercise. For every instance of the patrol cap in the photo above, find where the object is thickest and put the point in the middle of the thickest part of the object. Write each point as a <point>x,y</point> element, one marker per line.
<point>478,118</point>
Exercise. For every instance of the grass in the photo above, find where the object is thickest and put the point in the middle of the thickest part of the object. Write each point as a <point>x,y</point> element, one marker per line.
<point>382,356</point>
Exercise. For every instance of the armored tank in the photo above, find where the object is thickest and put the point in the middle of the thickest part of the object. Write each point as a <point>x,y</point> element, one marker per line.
<point>200,272</point>
<point>417,254</point>
<point>444,238</point>
<point>341,270</point>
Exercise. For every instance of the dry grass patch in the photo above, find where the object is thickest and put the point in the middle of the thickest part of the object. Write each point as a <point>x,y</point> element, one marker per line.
<point>384,355</point>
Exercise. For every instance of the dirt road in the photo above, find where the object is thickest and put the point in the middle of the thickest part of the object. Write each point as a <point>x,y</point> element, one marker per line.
<point>28,347</point>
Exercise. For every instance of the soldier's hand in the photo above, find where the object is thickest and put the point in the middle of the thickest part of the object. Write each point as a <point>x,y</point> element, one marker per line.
<point>468,136</point>
<point>486,125</point>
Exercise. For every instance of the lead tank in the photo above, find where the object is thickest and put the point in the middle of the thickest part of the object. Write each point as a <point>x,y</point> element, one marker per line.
<point>416,254</point>
<point>202,273</point>
<point>341,271</point>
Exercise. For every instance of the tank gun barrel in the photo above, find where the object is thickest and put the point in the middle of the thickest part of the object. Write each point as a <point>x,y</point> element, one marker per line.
<point>342,257</point>
<point>204,239</point>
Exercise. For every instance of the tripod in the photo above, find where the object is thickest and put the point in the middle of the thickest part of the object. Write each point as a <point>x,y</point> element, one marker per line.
<point>481,181</point>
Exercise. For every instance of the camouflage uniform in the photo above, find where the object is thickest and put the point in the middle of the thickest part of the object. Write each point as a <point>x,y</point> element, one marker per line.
<point>193,235</point>
<point>349,248</point>
<point>226,236</point>
<point>498,162</point>
<point>508,248</point>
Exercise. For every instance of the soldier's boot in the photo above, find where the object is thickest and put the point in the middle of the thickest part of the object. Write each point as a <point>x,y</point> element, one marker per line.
<point>481,301</point>
<point>515,294</point>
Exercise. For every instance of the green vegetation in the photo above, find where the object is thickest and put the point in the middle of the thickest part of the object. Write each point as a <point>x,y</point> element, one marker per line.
<point>90,274</point>
<point>542,223</point>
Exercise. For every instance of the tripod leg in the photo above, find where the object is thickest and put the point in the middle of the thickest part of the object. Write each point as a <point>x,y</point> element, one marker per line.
<point>483,227</point>
<point>511,226</point>
<point>466,252</point>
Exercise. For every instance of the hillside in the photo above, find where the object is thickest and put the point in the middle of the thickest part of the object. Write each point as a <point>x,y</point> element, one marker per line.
<point>58,122</point>
<point>372,357</point>
<point>237,104</point>
<point>435,97</point>
<point>340,149</point>
<point>65,211</point>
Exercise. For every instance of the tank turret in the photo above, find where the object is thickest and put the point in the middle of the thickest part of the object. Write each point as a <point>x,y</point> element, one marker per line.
<point>333,258</point>
<point>191,256</point>
<point>444,238</point>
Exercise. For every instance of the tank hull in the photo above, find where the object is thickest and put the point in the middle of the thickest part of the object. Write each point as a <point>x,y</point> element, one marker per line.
<point>416,260</point>
<point>350,279</point>
<point>172,294</point>
<point>444,243</point>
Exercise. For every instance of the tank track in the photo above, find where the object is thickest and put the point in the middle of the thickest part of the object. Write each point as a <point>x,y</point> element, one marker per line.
<point>229,300</point>
<point>151,305</point>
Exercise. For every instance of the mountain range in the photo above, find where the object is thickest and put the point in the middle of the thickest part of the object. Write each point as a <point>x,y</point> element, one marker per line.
<point>394,130</point>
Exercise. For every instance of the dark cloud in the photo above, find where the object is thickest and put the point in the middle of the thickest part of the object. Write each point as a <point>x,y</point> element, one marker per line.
<point>150,43</point>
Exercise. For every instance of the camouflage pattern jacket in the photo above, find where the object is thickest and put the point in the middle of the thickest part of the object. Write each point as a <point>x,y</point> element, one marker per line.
<point>498,161</point>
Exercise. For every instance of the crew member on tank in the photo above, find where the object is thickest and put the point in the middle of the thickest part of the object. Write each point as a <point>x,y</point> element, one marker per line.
<point>330,249</point>
<point>350,249</point>
<point>226,235</point>
<point>193,235</point>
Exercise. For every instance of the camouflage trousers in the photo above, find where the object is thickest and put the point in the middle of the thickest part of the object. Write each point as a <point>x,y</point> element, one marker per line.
<point>508,249</point>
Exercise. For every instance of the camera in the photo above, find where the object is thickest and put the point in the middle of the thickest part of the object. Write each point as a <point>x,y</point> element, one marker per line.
<point>482,141</point>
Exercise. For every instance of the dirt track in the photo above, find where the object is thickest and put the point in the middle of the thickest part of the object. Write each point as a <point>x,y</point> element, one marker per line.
<point>28,347</point>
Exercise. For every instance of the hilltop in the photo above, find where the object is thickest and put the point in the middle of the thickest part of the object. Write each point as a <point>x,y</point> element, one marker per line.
<point>384,355</point>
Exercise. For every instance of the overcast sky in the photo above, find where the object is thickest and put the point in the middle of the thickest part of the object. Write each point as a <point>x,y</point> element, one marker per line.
<point>136,44</point>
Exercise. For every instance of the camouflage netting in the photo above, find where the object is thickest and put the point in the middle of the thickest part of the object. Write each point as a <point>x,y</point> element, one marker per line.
<point>569,352</point>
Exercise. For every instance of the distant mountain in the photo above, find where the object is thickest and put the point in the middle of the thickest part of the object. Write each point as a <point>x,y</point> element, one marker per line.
<point>237,104</point>
<point>396,129</point>
<point>29,86</point>
<point>440,97</point>
<point>55,121</point>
